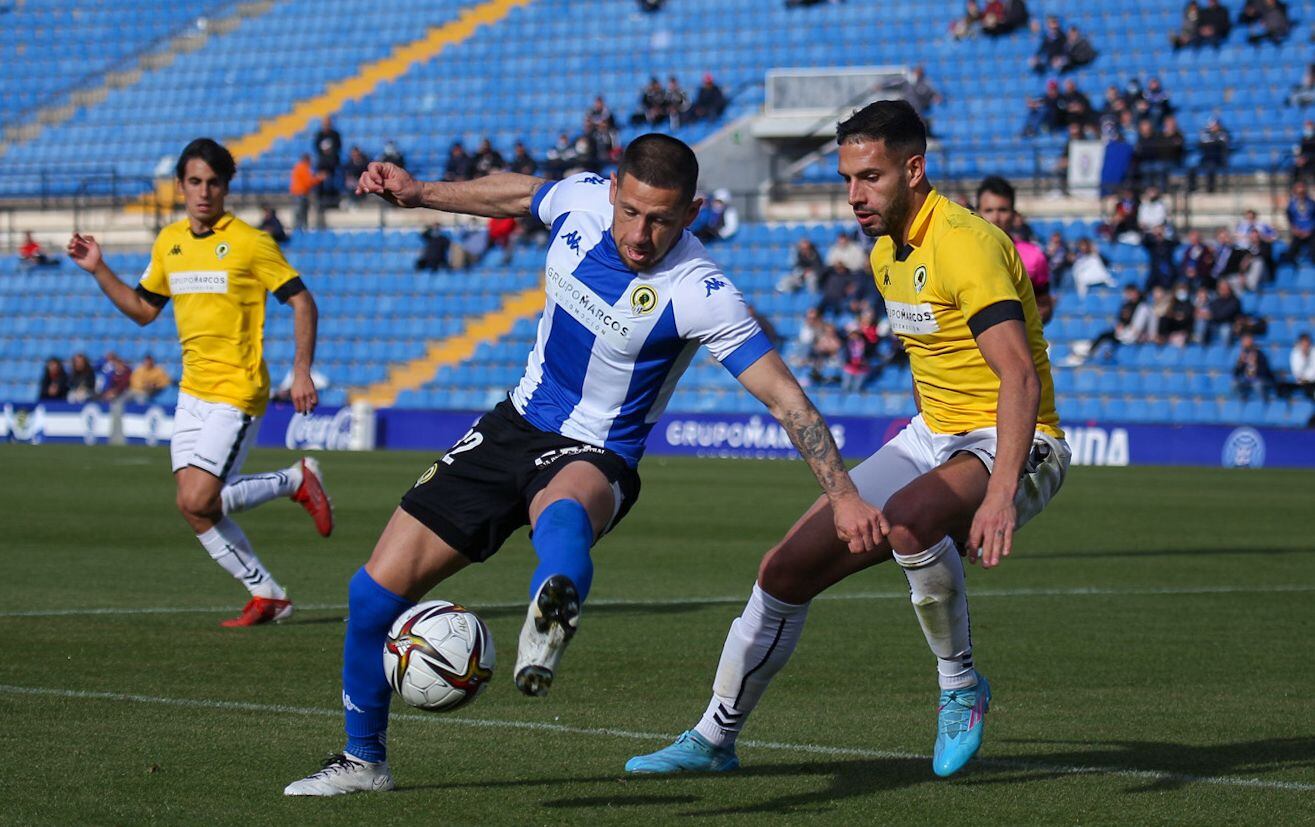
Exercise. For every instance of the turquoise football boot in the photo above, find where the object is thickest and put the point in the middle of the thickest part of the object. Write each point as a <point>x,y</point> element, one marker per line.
<point>690,753</point>
<point>960,720</point>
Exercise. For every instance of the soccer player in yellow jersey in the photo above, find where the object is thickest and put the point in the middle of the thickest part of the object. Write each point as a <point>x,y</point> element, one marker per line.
<point>984,454</point>
<point>218,269</point>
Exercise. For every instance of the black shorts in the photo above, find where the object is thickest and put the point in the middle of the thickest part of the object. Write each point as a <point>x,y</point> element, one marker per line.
<point>480,491</point>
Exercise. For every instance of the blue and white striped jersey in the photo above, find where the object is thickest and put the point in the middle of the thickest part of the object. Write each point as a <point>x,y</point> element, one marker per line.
<point>612,342</point>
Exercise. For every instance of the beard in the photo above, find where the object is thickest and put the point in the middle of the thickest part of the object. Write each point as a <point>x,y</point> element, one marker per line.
<point>895,214</point>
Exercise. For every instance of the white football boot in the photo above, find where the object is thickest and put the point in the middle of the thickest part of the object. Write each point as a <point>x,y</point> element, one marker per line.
<point>344,773</point>
<point>550,624</point>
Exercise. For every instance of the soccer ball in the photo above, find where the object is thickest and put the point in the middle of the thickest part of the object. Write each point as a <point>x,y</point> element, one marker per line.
<point>439,656</point>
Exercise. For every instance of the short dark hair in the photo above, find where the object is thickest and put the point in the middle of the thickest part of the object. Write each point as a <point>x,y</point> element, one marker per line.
<point>894,121</point>
<point>996,185</point>
<point>213,153</point>
<point>661,161</point>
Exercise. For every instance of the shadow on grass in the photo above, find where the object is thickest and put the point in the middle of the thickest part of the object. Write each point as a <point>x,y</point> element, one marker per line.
<point>1170,552</point>
<point>1167,766</point>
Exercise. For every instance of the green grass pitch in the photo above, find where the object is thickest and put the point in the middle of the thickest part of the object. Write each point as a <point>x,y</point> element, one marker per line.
<point>1149,644</point>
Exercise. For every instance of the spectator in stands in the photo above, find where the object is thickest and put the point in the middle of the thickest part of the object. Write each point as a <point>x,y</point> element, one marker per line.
<point>1251,372</point>
<point>1215,25</point>
<point>1078,51</point>
<point>1001,17</point>
<point>115,377</point>
<point>718,219</point>
<point>1133,324</point>
<point>1090,268</point>
<point>845,251</point>
<point>521,161</point>
<point>1303,94</point>
<point>1251,222</point>
<point>82,379</point>
<point>676,102</point>
<point>1303,162</point>
<point>1155,103</point>
<point>1301,225</point>
<point>806,268</point>
<point>1076,106</point>
<point>585,152</point>
<point>1153,212</point>
<point>1050,50</point>
<point>603,142</point>
<point>31,254</point>
<point>1271,23</point>
<point>1212,153</point>
<point>710,102</point>
<point>650,6</point>
<point>1161,250</point>
<point>1152,156</point>
<point>1059,258</point>
<point>302,185</point>
<point>1198,262</point>
<point>600,113</point>
<point>392,155</point>
<point>857,362</point>
<point>459,165</point>
<point>1189,30</point>
<point>434,254</point>
<point>560,157</point>
<point>1122,223</point>
<point>487,159</point>
<point>1218,316</point>
<point>351,173</point>
<point>1301,364</point>
<point>1175,322</point>
<point>970,24</point>
<point>1044,112</point>
<point>147,380</point>
<point>995,203</point>
<point>53,386</point>
<point>503,233</point>
<point>1258,266</point>
<point>327,144</point>
<point>1110,121</point>
<point>270,223</point>
<point>652,104</point>
<point>1228,256</point>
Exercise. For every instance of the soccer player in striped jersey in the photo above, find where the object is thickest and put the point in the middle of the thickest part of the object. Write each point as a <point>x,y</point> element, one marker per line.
<point>631,295</point>
<point>218,269</point>
<point>984,454</point>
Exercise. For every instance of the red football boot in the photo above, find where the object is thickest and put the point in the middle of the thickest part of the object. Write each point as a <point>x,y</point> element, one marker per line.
<point>312,497</point>
<point>260,610</point>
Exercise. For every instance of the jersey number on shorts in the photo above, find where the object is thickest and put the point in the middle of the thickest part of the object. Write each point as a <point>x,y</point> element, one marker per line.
<point>472,439</point>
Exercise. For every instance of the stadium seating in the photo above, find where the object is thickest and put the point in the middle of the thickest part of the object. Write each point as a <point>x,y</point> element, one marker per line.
<point>528,77</point>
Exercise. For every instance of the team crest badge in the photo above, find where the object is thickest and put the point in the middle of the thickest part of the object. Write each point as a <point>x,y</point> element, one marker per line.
<point>427,476</point>
<point>221,250</point>
<point>919,278</point>
<point>642,300</point>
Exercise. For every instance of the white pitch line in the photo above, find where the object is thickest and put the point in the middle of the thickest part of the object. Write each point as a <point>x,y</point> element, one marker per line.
<point>1094,591</point>
<point>535,726</point>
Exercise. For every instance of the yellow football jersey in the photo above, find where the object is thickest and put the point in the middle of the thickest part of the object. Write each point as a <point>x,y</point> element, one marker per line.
<point>955,266</point>
<point>218,283</point>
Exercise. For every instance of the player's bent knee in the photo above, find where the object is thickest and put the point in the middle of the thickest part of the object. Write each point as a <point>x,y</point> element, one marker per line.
<point>195,504</point>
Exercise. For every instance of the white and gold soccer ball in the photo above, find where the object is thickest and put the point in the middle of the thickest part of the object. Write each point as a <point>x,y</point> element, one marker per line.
<point>439,656</point>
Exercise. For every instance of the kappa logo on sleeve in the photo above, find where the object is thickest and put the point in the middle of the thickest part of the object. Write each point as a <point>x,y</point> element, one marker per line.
<point>713,284</point>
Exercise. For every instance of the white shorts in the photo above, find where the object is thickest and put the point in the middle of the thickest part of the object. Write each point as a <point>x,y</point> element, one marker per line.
<point>211,436</point>
<point>916,449</point>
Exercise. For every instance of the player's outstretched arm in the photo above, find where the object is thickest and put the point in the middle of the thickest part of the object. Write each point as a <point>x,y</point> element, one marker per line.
<point>305,322</point>
<point>502,195</point>
<point>857,522</point>
<point>1006,350</point>
<point>85,252</point>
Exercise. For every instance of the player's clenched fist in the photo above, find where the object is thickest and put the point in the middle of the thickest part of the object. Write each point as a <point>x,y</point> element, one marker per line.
<point>391,183</point>
<point>85,252</point>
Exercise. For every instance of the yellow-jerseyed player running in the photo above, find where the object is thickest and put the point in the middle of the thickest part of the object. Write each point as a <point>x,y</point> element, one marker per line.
<point>217,269</point>
<point>984,454</point>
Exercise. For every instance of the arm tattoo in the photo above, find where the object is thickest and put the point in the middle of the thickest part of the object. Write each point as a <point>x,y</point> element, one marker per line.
<point>812,438</point>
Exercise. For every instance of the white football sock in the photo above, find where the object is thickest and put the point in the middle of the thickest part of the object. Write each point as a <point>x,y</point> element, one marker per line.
<point>940,600</point>
<point>230,548</point>
<point>243,493</point>
<point>759,643</point>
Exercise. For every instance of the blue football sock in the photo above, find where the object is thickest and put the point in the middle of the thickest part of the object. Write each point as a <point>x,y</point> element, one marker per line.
<point>562,538</point>
<point>371,610</point>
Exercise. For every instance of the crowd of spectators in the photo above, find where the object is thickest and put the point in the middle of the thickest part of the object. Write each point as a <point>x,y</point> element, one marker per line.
<point>110,381</point>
